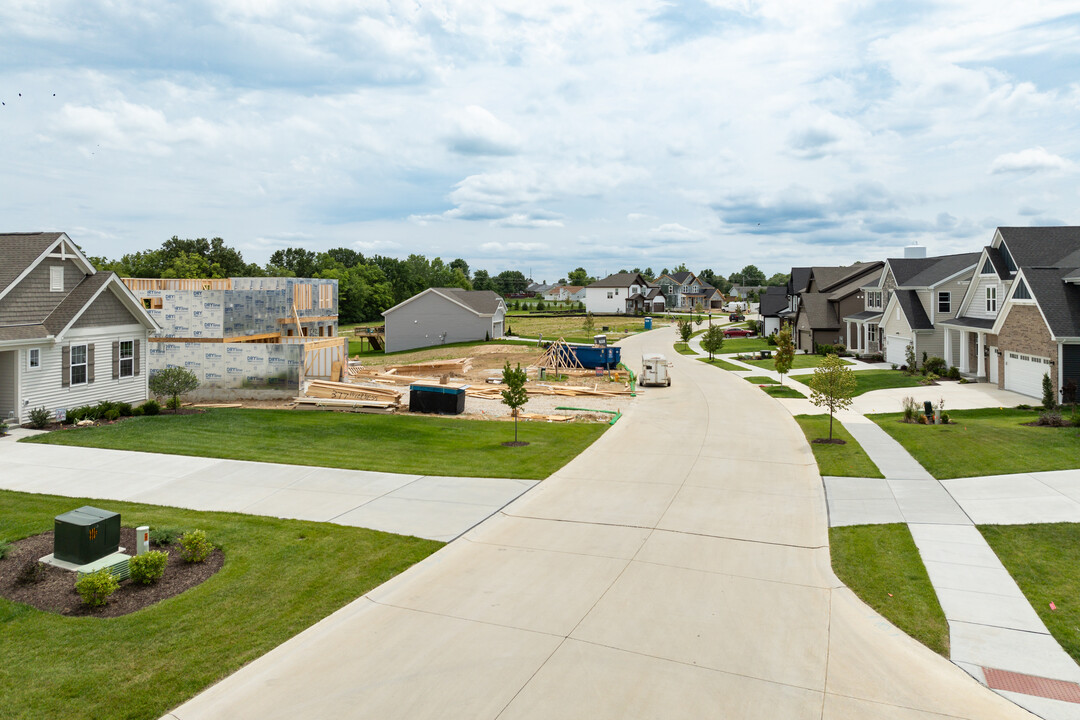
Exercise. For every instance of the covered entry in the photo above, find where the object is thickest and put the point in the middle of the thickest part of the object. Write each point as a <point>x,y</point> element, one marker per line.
<point>9,382</point>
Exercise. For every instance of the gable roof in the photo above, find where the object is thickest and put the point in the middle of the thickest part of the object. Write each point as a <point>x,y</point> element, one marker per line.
<point>773,301</point>
<point>682,277</point>
<point>20,251</point>
<point>1043,246</point>
<point>854,284</point>
<point>621,280</point>
<point>1058,300</point>
<point>799,281</point>
<point>828,277</point>
<point>908,300</point>
<point>925,272</point>
<point>480,302</point>
<point>818,311</point>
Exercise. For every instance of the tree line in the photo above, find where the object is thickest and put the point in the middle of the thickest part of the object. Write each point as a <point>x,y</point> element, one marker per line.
<point>367,285</point>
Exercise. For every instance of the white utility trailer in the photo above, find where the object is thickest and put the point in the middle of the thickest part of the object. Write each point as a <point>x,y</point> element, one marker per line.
<point>655,370</point>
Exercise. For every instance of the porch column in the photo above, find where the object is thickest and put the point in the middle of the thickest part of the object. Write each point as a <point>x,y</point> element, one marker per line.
<point>948,348</point>
<point>866,336</point>
<point>964,351</point>
<point>979,359</point>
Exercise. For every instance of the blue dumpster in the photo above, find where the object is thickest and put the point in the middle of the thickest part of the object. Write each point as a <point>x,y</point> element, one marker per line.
<point>648,323</point>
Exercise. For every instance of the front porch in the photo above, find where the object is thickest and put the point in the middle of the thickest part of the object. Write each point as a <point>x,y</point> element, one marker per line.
<point>864,333</point>
<point>970,347</point>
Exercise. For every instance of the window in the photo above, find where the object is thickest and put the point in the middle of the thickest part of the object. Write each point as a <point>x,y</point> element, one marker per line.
<point>302,296</point>
<point>326,295</point>
<point>1021,292</point>
<point>56,278</point>
<point>991,299</point>
<point>127,358</point>
<point>944,302</point>
<point>610,295</point>
<point>871,333</point>
<point>78,365</point>
<point>151,303</point>
<point>33,358</point>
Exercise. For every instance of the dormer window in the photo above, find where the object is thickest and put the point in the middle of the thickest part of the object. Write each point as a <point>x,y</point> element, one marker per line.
<point>56,278</point>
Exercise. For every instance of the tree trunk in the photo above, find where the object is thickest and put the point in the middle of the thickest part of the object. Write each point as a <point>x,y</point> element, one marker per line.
<point>515,426</point>
<point>830,424</point>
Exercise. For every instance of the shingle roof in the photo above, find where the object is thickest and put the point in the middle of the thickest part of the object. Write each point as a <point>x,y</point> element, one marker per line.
<point>829,277</point>
<point>19,250</point>
<point>75,301</point>
<point>908,300</point>
<point>800,278</point>
<point>681,277</point>
<point>621,280</point>
<point>1059,301</point>
<point>856,283</point>
<point>23,332</point>
<point>966,322</point>
<point>485,302</point>
<point>773,302</point>
<point>924,272</point>
<point>1043,246</point>
<point>819,312</point>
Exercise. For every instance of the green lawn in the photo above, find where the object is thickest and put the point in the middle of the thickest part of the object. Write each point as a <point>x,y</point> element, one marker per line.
<point>722,364</point>
<point>355,347</point>
<point>847,460</point>
<point>882,565</point>
<point>782,391</point>
<point>387,443</point>
<point>744,345</point>
<point>988,441</point>
<point>280,577</point>
<point>760,380</point>
<point>867,380</point>
<point>799,362</point>
<point>1043,559</point>
<point>684,349</point>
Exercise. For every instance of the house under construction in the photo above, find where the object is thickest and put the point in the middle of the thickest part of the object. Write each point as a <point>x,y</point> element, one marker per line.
<point>244,337</point>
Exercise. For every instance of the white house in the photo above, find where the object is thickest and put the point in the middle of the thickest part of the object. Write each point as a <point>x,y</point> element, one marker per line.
<point>610,294</point>
<point>438,316</point>
<point>69,335</point>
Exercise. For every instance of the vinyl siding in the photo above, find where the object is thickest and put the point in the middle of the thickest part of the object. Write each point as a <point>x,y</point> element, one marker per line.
<point>8,362</point>
<point>422,322</point>
<point>31,300</point>
<point>596,299</point>
<point>106,311</point>
<point>977,308</point>
<point>41,387</point>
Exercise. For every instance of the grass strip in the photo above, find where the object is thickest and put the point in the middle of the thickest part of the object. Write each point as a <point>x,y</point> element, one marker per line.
<point>760,380</point>
<point>385,443</point>
<point>684,349</point>
<point>847,460</point>
<point>882,565</point>
<point>1043,559</point>
<point>280,577</point>
<point>987,441</point>
<point>782,391</point>
<point>867,380</point>
<point>722,364</point>
<point>799,362</point>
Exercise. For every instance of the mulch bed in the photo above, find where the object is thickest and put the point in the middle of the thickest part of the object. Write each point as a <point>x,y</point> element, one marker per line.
<point>827,441</point>
<point>55,592</point>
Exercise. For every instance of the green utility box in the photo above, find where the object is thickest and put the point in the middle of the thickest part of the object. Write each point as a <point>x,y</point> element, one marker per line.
<point>85,535</point>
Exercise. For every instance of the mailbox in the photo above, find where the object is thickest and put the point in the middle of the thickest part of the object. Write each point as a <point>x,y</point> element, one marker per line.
<point>85,535</point>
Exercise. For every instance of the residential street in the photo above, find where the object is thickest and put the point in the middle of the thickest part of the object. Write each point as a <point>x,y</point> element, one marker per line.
<point>678,568</point>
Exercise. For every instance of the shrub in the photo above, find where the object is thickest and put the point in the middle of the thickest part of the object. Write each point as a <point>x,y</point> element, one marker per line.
<point>1049,401</point>
<point>893,365</point>
<point>172,383</point>
<point>32,571</point>
<point>40,418</point>
<point>936,365</point>
<point>124,409</point>
<point>911,409</point>
<point>112,415</point>
<point>194,546</point>
<point>137,411</point>
<point>5,549</point>
<point>96,587</point>
<point>173,403</point>
<point>839,348</point>
<point>954,373</point>
<point>944,418</point>
<point>923,420</point>
<point>3,427</point>
<point>163,537</point>
<point>148,568</point>
<point>1075,418</point>
<point>930,378</point>
<point>1051,418</point>
<point>151,407</point>
<point>909,356</point>
<point>102,409</point>
<point>771,339</point>
<point>83,412</point>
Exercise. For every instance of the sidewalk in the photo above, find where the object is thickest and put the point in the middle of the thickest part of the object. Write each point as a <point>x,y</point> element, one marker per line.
<point>995,635</point>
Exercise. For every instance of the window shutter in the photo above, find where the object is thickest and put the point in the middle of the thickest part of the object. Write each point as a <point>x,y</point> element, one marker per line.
<point>116,360</point>
<point>90,363</point>
<point>65,366</point>
<point>137,357</point>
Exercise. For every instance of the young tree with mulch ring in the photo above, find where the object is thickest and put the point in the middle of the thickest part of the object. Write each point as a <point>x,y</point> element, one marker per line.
<point>713,340</point>
<point>514,396</point>
<point>784,354</point>
<point>832,387</point>
<point>686,329</point>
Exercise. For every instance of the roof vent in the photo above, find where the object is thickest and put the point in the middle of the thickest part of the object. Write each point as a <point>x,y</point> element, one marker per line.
<point>914,251</point>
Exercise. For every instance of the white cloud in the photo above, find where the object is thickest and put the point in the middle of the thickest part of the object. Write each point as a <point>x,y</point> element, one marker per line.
<point>1032,160</point>
<point>478,132</point>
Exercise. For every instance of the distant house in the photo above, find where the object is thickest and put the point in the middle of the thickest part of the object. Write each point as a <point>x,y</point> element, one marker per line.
<point>743,292</point>
<point>610,295</point>
<point>798,279</point>
<point>70,335</point>
<point>685,290</point>
<point>831,294</point>
<point>438,316</point>
<point>648,301</point>
<point>561,293</point>
<point>774,302</point>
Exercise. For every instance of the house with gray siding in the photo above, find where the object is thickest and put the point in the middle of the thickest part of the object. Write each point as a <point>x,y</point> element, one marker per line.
<point>438,316</point>
<point>69,335</point>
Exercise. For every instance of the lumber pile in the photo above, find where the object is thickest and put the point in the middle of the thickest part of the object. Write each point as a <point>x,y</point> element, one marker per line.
<point>457,366</point>
<point>545,418</point>
<point>355,395</point>
<point>355,405</point>
<point>389,378</point>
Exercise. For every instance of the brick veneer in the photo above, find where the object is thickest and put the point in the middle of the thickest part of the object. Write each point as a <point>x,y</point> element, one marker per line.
<point>1025,332</point>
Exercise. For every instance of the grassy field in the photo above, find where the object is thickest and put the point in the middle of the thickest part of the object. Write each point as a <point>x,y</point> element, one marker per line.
<point>988,441</point>
<point>867,380</point>
<point>1043,559</point>
<point>722,364</point>
<point>799,362</point>
<point>449,350</point>
<point>572,328</point>
<point>847,460</point>
<point>881,564</point>
<point>280,577</point>
<point>386,443</point>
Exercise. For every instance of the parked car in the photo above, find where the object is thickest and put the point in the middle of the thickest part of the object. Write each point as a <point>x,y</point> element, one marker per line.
<point>736,317</point>
<point>737,332</point>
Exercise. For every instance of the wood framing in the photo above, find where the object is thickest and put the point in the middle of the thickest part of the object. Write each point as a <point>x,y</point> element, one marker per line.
<point>321,318</point>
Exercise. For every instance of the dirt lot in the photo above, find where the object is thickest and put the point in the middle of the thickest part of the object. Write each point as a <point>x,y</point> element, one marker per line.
<point>574,326</point>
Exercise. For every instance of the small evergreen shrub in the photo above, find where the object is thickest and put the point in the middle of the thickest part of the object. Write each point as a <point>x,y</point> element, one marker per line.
<point>936,365</point>
<point>40,418</point>
<point>102,409</point>
<point>137,411</point>
<point>1049,402</point>
<point>83,412</point>
<point>95,588</point>
<point>3,427</point>
<point>945,418</point>
<point>124,409</point>
<point>149,567</point>
<point>163,537</point>
<point>954,373</point>
<point>151,407</point>
<point>112,415</point>
<point>173,403</point>
<point>31,572</point>
<point>194,546</point>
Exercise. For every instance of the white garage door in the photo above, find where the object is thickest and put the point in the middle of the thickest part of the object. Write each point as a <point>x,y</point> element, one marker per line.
<point>1024,373</point>
<point>497,329</point>
<point>896,350</point>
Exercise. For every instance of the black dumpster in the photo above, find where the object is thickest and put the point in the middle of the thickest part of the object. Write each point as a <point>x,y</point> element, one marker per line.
<point>438,399</point>
<point>85,535</point>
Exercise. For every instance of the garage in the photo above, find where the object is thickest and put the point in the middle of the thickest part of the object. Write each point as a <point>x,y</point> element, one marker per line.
<point>1024,373</point>
<point>896,350</point>
<point>497,329</point>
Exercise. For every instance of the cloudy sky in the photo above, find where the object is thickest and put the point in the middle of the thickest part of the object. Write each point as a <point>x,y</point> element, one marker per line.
<point>543,136</point>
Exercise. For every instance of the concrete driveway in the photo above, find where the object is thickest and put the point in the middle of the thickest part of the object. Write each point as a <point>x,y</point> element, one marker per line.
<point>677,569</point>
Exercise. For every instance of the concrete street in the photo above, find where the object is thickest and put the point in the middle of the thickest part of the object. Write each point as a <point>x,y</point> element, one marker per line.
<point>679,568</point>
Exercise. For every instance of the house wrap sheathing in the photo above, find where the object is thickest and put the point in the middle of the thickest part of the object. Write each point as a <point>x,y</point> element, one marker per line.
<point>244,337</point>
